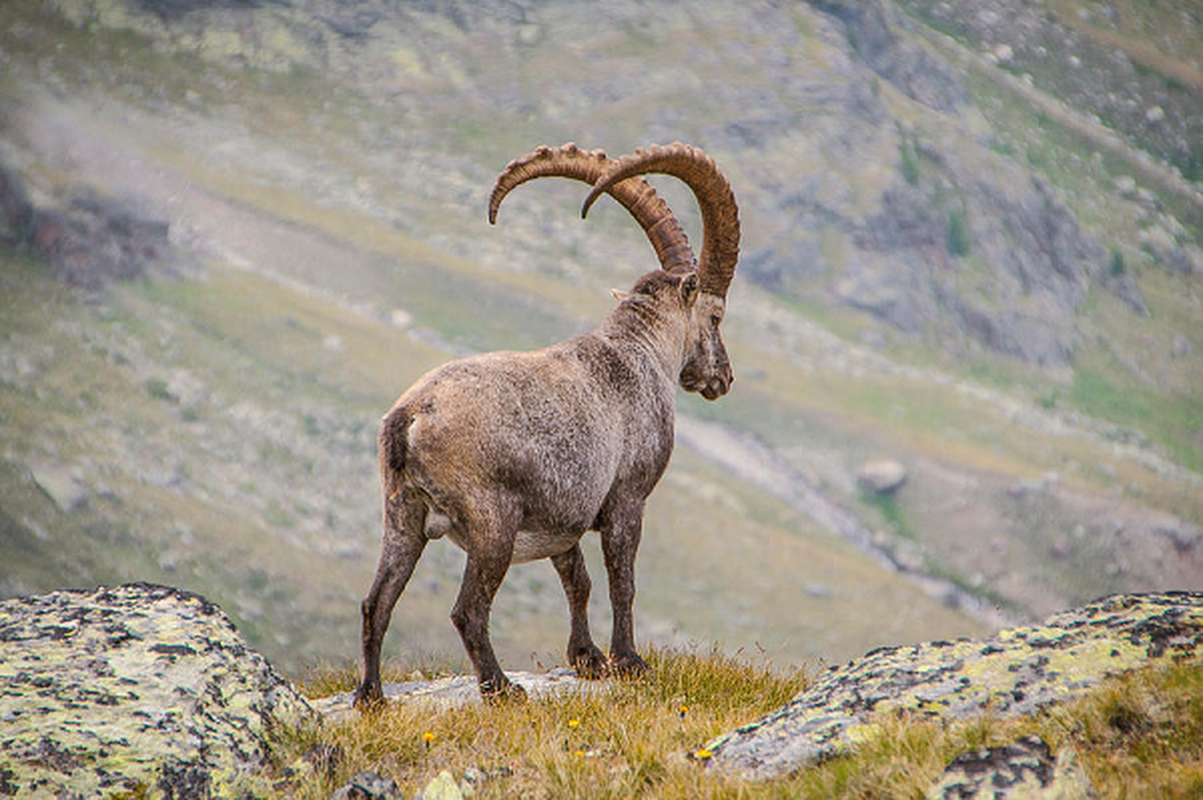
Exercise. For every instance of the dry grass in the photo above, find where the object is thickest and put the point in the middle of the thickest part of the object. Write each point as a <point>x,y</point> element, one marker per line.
<point>632,738</point>
<point>1136,736</point>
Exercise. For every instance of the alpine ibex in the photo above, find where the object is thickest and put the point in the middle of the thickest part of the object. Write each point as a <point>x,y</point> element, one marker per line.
<point>516,455</point>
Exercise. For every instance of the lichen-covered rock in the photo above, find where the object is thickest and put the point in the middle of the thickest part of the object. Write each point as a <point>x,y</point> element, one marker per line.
<point>1024,770</point>
<point>1016,672</point>
<point>134,688</point>
<point>443,787</point>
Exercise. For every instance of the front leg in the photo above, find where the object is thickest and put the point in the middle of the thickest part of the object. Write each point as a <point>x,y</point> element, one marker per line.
<point>620,536</point>
<point>583,654</point>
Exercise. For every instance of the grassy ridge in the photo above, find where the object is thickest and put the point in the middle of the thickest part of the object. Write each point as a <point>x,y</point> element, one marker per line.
<point>1140,735</point>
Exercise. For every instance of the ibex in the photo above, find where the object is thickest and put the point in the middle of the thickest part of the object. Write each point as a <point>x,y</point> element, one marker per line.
<point>516,455</point>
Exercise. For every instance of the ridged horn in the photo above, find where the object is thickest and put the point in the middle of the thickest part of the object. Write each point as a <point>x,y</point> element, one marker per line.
<point>720,215</point>
<point>637,196</point>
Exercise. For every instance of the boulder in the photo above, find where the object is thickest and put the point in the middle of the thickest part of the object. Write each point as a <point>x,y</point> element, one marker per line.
<point>60,486</point>
<point>1016,672</point>
<point>881,476</point>
<point>139,688</point>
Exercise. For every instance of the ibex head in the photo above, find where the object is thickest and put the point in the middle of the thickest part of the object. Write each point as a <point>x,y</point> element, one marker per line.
<point>701,285</point>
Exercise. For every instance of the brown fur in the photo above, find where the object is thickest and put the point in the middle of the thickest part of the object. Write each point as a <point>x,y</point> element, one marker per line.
<point>516,455</point>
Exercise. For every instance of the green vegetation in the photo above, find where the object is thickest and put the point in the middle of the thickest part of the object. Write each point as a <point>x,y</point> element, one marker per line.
<point>1140,735</point>
<point>1169,419</point>
<point>1115,262</point>
<point>891,511</point>
<point>908,162</point>
<point>1190,164</point>
<point>157,388</point>
<point>958,233</point>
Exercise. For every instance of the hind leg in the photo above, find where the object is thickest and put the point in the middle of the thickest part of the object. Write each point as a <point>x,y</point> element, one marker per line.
<point>491,533</point>
<point>583,654</point>
<point>402,544</point>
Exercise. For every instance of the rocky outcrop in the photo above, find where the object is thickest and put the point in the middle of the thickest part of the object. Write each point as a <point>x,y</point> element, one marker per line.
<point>93,241</point>
<point>872,29</point>
<point>138,688</point>
<point>1016,672</point>
<point>89,240</point>
<point>918,260</point>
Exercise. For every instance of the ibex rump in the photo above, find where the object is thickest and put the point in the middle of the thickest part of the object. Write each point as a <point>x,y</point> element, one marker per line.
<point>514,456</point>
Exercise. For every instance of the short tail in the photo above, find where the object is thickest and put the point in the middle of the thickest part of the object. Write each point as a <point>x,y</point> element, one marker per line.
<point>393,444</point>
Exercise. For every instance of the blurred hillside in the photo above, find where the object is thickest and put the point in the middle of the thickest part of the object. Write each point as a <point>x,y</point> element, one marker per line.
<point>234,231</point>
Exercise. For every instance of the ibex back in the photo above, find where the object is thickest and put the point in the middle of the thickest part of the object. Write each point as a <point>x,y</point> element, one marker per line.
<point>514,456</point>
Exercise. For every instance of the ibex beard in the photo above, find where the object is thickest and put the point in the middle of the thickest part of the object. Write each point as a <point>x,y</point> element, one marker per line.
<point>514,456</point>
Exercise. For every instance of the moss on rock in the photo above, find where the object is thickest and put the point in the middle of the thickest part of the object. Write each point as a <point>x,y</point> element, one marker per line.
<point>137,688</point>
<point>1018,671</point>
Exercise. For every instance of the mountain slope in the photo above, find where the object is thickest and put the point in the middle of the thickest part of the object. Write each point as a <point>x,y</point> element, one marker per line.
<point>934,269</point>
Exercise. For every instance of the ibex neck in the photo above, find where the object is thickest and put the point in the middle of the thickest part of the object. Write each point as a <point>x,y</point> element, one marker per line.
<point>657,333</point>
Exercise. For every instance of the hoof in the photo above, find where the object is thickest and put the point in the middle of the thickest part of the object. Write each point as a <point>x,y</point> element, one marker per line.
<point>628,665</point>
<point>589,662</point>
<point>368,698</point>
<point>501,690</point>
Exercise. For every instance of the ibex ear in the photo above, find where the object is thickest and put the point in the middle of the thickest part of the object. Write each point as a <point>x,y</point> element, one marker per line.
<point>689,288</point>
<point>619,294</point>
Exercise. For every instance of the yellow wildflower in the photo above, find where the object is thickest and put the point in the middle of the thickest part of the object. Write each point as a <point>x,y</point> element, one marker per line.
<point>574,723</point>
<point>703,754</point>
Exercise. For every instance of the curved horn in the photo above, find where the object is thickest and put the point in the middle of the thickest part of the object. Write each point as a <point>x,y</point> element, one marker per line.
<point>720,216</point>
<point>637,196</point>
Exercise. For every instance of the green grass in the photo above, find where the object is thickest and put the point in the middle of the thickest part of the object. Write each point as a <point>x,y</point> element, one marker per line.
<point>958,234</point>
<point>1171,420</point>
<point>888,506</point>
<point>908,162</point>
<point>1140,735</point>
